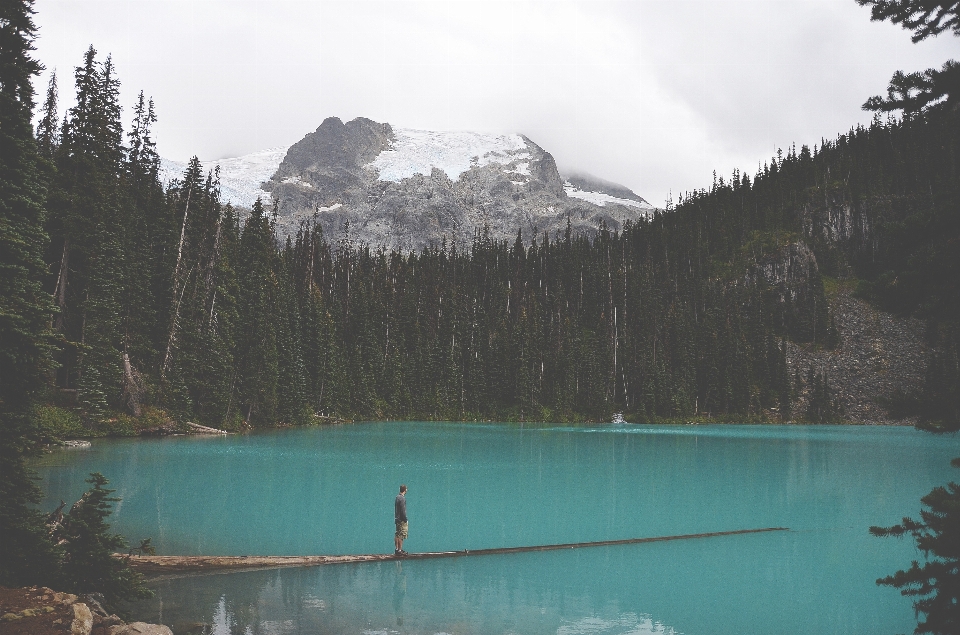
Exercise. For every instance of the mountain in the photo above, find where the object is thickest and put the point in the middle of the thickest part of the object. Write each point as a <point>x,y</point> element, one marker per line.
<point>368,183</point>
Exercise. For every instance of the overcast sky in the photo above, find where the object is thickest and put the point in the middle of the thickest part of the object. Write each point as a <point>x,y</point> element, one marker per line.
<point>652,94</point>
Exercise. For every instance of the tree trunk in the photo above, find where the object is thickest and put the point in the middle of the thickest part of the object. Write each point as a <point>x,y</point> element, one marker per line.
<point>176,283</point>
<point>61,291</point>
<point>132,389</point>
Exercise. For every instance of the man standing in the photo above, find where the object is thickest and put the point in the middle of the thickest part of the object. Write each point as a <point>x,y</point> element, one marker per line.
<point>400,518</point>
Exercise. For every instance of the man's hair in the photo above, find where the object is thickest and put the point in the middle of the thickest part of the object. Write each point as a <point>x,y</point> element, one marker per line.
<point>403,488</point>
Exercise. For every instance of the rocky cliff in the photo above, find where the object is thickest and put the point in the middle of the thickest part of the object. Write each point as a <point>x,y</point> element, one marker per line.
<point>874,360</point>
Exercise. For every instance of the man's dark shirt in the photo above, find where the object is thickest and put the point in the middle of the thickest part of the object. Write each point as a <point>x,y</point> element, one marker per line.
<point>400,509</point>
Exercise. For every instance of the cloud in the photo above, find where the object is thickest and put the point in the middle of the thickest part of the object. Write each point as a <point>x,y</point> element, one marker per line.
<point>652,94</point>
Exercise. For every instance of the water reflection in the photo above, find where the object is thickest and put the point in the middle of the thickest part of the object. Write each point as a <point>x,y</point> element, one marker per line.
<point>530,593</point>
<point>399,592</point>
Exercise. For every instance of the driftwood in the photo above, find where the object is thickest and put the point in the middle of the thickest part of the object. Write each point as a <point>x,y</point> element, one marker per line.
<point>192,564</point>
<point>199,429</point>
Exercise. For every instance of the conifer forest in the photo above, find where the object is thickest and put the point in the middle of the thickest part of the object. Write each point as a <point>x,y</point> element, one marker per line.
<point>168,301</point>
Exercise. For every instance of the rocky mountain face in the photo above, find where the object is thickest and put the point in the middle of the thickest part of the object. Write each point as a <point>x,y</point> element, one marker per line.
<point>367,183</point>
<point>879,358</point>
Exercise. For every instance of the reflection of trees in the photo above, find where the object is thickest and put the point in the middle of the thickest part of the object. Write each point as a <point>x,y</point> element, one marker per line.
<point>520,593</point>
<point>191,604</point>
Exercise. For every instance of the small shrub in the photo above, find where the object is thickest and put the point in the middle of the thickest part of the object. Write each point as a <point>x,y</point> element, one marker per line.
<point>120,425</point>
<point>154,418</point>
<point>57,423</point>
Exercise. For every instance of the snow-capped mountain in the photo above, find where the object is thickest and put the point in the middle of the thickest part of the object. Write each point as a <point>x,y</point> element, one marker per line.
<point>369,183</point>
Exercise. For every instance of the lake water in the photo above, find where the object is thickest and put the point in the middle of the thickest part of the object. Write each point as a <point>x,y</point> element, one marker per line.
<point>472,486</point>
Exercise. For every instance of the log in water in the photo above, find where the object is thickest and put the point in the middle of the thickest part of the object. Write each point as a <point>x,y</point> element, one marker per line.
<point>172,564</point>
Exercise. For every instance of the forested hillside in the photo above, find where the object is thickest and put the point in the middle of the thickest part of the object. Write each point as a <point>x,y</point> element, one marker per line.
<point>172,305</point>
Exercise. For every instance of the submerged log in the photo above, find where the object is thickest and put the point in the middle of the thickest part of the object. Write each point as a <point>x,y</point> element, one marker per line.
<point>184,564</point>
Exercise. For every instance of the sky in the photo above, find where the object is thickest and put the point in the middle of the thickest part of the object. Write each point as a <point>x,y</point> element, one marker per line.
<point>656,95</point>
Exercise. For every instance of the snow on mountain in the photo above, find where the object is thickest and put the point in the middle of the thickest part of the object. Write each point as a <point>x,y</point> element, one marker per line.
<point>419,151</point>
<point>406,189</point>
<point>601,199</point>
<point>240,177</point>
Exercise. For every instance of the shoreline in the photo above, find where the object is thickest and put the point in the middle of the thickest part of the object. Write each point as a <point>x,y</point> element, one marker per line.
<point>83,442</point>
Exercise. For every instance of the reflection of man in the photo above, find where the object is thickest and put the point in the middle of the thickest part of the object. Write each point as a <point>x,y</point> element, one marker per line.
<point>400,518</point>
<point>399,591</point>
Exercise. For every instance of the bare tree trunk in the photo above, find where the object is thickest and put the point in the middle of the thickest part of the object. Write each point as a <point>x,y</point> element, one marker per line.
<point>173,330</point>
<point>61,291</point>
<point>176,283</point>
<point>183,233</point>
<point>132,388</point>
<point>233,386</point>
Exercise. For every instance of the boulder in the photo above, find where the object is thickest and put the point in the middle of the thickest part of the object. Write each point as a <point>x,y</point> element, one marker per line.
<point>82,620</point>
<point>94,602</point>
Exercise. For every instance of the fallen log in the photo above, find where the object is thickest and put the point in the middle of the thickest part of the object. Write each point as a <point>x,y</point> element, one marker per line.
<point>182,564</point>
<point>199,429</point>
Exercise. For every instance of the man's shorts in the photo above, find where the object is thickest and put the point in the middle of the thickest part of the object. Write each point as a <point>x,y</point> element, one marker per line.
<point>402,530</point>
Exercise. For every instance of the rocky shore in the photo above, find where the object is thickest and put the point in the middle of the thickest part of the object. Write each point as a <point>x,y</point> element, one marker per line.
<point>43,611</point>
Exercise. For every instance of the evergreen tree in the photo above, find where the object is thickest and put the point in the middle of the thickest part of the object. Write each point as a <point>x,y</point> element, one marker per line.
<point>89,564</point>
<point>925,18</point>
<point>87,226</point>
<point>48,133</point>
<point>936,584</point>
<point>919,91</point>
<point>26,554</point>
<point>257,362</point>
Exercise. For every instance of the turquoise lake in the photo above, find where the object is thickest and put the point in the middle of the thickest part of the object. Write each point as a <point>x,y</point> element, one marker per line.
<point>471,486</point>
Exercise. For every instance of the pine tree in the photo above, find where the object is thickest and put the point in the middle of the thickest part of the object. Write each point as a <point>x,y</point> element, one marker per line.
<point>89,564</point>
<point>936,584</point>
<point>26,554</point>
<point>257,363</point>
<point>87,225</point>
<point>919,91</point>
<point>48,133</point>
<point>142,241</point>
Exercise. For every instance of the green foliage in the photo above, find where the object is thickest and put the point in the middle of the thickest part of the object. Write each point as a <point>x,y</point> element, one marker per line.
<point>931,89</point>
<point>57,423</point>
<point>925,18</point>
<point>935,584</point>
<point>920,91</point>
<point>89,564</point>
<point>28,555</point>
<point>25,309</point>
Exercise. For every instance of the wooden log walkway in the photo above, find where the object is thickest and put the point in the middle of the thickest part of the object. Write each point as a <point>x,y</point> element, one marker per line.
<point>183,564</point>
